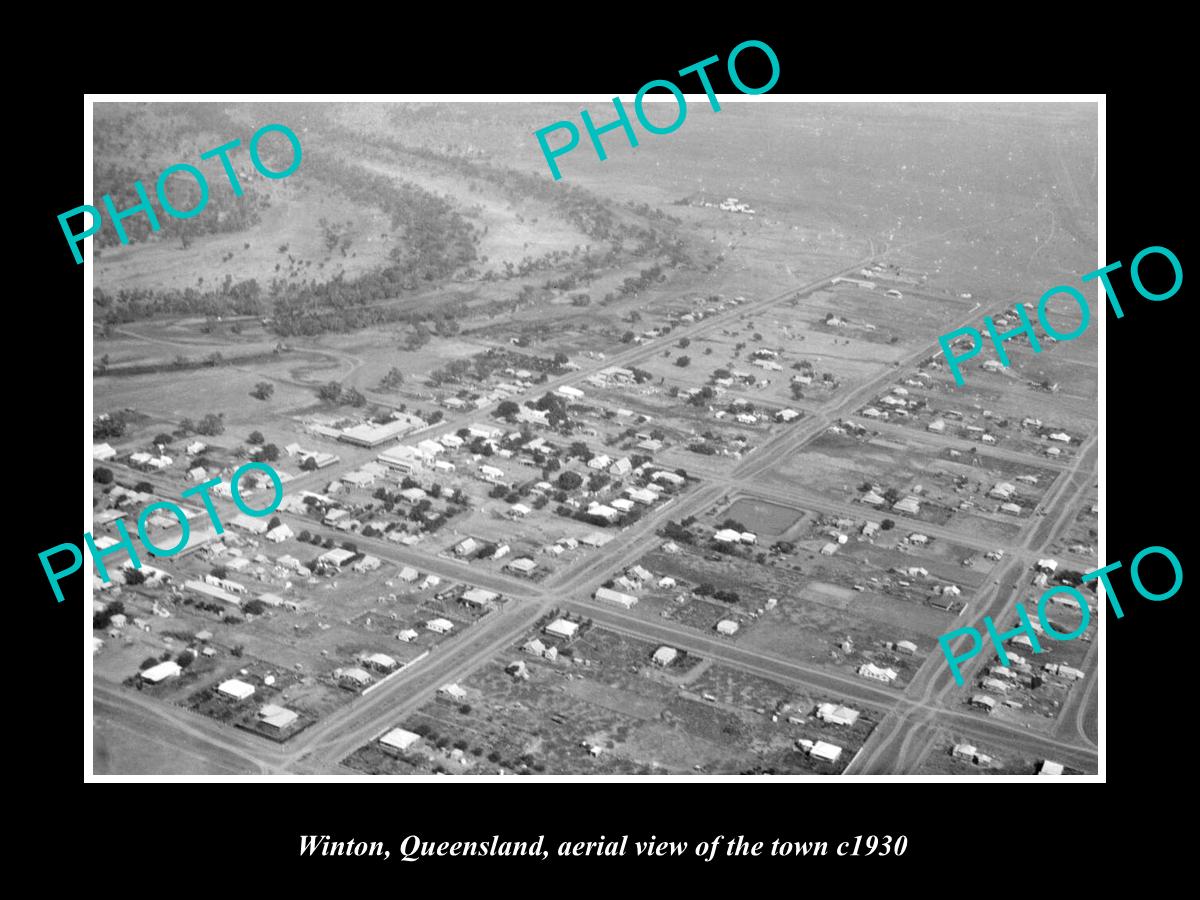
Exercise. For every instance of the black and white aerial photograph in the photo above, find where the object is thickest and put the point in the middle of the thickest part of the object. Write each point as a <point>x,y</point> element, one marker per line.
<point>410,458</point>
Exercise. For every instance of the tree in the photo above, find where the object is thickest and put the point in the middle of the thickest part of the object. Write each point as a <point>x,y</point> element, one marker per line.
<point>263,390</point>
<point>392,380</point>
<point>211,424</point>
<point>103,475</point>
<point>507,409</point>
<point>887,524</point>
<point>309,464</point>
<point>254,607</point>
<point>682,361</point>
<point>331,392</point>
<point>163,439</point>
<point>108,427</point>
<point>135,577</point>
<point>683,343</point>
<point>268,453</point>
<point>257,437</point>
<point>144,487</point>
<point>627,337</point>
<point>352,397</point>
<point>569,481</point>
<point>185,658</point>
<point>147,663</point>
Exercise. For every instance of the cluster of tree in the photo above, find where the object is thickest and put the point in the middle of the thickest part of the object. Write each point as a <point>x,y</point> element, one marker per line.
<point>437,240</point>
<point>707,590</point>
<point>101,620</point>
<point>333,392</point>
<point>265,453</point>
<point>678,532</point>
<point>131,304</point>
<point>209,425</point>
<point>642,280</point>
<point>112,425</point>
<point>392,380</point>
<point>223,214</point>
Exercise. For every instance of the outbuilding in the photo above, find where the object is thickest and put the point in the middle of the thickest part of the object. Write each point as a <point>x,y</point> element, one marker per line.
<point>160,672</point>
<point>236,689</point>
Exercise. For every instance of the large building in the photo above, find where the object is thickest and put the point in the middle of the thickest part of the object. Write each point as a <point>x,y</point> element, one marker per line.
<point>608,595</point>
<point>369,434</point>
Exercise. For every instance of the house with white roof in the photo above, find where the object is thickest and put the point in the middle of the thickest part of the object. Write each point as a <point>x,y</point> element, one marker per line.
<point>399,739</point>
<point>837,715</point>
<point>664,656</point>
<point>608,595</point>
<point>825,751</point>
<point>562,628</point>
<point>236,689</point>
<point>161,672</point>
<point>877,673</point>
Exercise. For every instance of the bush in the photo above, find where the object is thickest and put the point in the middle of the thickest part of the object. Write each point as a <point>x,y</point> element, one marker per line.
<point>211,424</point>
